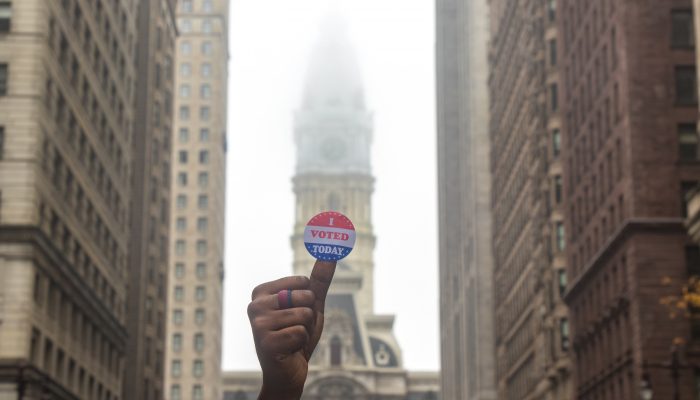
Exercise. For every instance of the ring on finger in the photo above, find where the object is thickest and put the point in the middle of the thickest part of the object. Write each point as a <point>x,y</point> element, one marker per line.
<point>284,299</point>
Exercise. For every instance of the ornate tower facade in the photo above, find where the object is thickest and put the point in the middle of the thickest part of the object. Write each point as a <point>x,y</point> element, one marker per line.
<point>333,135</point>
<point>358,356</point>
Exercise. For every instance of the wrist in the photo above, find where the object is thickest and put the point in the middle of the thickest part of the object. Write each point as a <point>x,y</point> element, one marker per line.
<point>271,392</point>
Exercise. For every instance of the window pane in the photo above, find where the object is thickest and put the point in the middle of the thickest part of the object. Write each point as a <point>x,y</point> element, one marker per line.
<point>186,48</point>
<point>204,157</point>
<point>178,317</point>
<point>184,113</point>
<point>184,90</point>
<point>184,135</point>
<point>202,224</point>
<point>686,85</point>
<point>200,293</point>
<point>206,70</point>
<point>201,270</point>
<point>204,113</point>
<point>3,79</point>
<point>199,316</point>
<point>202,247</point>
<point>687,142</point>
<point>682,29</point>
<point>203,202</point>
<point>185,70</point>
<point>179,270</point>
<point>203,179</point>
<point>181,201</point>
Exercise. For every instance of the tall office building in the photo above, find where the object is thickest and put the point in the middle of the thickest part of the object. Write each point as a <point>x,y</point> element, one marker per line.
<point>150,201</point>
<point>464,187</point>
<point>357,356</point>
<point>66,83</point>
<point>630,156</point>
<point>193,355</point>
<point>531,323</point>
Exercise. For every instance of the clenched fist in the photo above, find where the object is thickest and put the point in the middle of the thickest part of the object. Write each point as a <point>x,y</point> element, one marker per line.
<point>286,330</point>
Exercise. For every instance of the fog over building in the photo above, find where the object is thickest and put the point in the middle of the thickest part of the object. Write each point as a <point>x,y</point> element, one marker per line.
<point>193,356</point>
<point>358,355</point>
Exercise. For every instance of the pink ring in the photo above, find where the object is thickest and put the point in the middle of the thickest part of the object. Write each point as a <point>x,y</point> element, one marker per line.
<point>284,299</point>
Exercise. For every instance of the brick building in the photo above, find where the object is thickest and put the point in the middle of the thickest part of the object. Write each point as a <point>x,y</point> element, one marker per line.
<point>531,321</point>
<point>630,153</point>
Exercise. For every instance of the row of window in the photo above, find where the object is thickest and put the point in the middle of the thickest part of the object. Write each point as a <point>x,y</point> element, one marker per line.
<point>202,202</point>
<point>606,288</point>
<point>200,293</point>
<point>200,270</point>
<point>206,26</point>
<point>67,244</point>
<point>58,306</point>
<point>176,392</point>
<point>206,48</point>
<point>186,70</point>
<point>202,225</point>
<point>179,318</point>
<point>184,135</point>
<point>73,194</point>
<point>66,370</point>
<point>204,113</point>
<point>85,78</point>
<point>183,157</point>
<point>197,368</point>
<point>205,91</point>
<point>187,6</point>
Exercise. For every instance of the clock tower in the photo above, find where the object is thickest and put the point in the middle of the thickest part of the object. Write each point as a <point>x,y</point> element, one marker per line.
<point>333,135</point>
<point>358,356</point>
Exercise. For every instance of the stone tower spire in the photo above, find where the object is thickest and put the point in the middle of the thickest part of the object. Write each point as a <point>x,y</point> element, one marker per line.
<point>333,134</point>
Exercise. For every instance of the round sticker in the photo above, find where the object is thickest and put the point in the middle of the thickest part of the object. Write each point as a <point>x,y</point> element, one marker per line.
<point>329,236</point>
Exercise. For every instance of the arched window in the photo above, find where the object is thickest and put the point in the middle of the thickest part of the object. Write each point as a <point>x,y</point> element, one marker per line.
<point>336,358</point>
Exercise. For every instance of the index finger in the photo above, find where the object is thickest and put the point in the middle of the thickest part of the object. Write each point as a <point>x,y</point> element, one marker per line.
<point>320,280</point>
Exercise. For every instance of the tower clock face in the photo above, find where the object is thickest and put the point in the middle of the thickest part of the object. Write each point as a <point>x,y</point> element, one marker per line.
<point>333,149</point>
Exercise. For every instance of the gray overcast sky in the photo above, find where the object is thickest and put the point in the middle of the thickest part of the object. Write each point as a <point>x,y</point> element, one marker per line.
<point>270,44</point>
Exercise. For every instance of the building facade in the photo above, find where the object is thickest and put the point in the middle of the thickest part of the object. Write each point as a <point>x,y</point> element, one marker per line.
<point>464,187</point>
<point>630,157</point>
<point>66,83</point>
<point>149,235</point>
<point>531,320</point>
<point>358,356</point>
<point>66,87</point>
<point>193,355</point>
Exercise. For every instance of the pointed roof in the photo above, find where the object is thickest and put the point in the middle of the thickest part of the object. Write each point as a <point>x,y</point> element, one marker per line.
<point>333,78</point>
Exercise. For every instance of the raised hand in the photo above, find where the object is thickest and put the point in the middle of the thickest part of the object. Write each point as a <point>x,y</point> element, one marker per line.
<point>285,337</point>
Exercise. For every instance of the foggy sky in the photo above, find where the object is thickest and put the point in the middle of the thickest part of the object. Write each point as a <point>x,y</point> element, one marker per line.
<point>270,45</point>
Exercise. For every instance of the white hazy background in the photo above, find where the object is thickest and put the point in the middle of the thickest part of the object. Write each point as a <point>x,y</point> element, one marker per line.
<point>270,42</point>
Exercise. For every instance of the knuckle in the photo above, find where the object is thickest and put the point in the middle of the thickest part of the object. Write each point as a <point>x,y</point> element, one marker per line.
<point>256,292</point>
<point>252,309</point>
<point>302,281</point>
<point>307,314</point>
<point>258,324</point>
